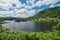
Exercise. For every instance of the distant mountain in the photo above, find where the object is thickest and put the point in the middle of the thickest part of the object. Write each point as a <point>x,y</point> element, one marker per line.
<point>8,18</point>
<point>13,18</point>
<point>52,13</point>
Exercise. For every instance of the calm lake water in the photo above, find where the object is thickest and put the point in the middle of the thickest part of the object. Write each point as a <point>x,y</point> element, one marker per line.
<point>27,26</point>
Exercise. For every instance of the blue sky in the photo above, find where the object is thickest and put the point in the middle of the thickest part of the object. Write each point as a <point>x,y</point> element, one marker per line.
<point>25,8</point>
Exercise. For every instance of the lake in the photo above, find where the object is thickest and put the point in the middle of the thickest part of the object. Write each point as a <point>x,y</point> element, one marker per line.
<point>27,26</point>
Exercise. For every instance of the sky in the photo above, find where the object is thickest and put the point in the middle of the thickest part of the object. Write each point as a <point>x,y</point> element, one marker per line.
<point>25,8</point>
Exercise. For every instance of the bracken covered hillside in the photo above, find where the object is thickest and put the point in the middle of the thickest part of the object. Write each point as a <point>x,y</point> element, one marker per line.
<point>52,13</point>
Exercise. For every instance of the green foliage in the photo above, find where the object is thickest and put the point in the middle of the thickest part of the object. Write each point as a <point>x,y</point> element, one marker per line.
<point>50,17</point>
<point>57,27</point>
<point>45,19</point>
<point>52,13</point>
<point>54,35</point>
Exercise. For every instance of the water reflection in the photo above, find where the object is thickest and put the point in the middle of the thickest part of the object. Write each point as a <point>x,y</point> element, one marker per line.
<point>26,26</point>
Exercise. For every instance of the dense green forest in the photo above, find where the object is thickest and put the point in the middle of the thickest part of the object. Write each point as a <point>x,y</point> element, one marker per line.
<point>49,16</point>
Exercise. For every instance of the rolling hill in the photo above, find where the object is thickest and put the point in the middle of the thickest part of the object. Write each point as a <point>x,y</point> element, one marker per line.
<point>52,13</point>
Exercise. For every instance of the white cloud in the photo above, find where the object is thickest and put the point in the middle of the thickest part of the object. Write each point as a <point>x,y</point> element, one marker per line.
<point>6,13</point>
<point>7,3</point>
<point>30,4</point>
<point>4,4</point>
<point>52,6</point>
<point>27,6</point>
<point>46,2</point>
<point>23,12</point>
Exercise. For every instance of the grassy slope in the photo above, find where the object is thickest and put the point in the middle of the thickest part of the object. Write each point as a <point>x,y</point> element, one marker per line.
<point>52,13</point>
